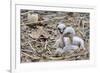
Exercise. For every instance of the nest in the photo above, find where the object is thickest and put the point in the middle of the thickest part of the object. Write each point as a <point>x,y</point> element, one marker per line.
<point>38,38</point>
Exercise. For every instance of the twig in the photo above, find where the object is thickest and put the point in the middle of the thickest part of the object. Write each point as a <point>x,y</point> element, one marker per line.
<point>26,50</point>
<point>78,54</point>
<point>31,46</point>
<point>45,44</point>
<point>30,56</point>
<point>56,58</point>
<point>81,33</point>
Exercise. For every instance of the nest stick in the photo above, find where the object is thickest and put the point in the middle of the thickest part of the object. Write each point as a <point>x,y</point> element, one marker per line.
<point>81,33</point>
<point>46,46</point>
<point>26,50</point>
<point>78,54</point>
<point>31,46</point>
<point>30,56</point>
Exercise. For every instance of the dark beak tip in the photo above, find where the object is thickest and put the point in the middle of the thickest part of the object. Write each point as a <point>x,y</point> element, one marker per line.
<point>61,32</point>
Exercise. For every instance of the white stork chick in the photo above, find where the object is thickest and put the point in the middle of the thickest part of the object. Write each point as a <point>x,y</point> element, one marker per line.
<point>68,47</point>
<point>69,32</point>
<point>59,44</point>
<point>75,41</point>
<point>61,27</point>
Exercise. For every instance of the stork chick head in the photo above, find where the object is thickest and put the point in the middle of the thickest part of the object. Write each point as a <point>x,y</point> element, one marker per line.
<point>61,27</point>
<point>69,32</point>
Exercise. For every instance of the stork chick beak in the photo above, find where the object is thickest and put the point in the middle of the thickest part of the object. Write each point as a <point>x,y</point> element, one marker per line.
<point>61,32</point>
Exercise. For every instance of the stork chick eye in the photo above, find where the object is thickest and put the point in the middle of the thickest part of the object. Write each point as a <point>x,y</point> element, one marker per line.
<point>63,28</point>
<point>59,29</point>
